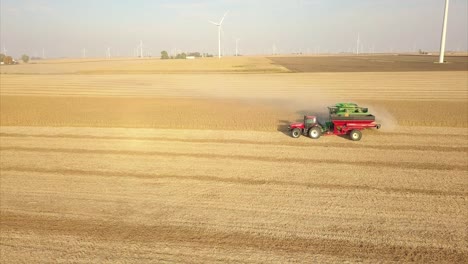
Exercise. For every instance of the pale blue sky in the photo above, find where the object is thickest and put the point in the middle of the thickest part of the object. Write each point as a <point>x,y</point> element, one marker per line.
<point>65,27</point>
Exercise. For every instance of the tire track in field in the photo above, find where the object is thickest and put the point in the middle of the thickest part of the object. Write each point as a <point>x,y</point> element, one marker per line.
<point>247,142</point>
<point>377,164</point>
<point>238,180</point>
<point>227,240</point>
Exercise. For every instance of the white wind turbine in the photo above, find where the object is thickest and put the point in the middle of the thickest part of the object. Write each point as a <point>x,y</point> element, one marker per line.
<point>237,46</point>
<point>358,44</point>
<point>444,33</point>
<point>140,48</point>
<point>219,25</point>
<point>108,53</point>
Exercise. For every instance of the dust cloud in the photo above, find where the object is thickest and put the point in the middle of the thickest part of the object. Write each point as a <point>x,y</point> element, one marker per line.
<point>382,116</point>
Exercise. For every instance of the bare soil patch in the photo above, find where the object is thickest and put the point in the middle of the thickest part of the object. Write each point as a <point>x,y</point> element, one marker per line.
<point>375,63</point>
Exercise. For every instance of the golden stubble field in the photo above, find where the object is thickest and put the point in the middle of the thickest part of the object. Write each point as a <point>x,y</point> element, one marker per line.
<point>184,167</point>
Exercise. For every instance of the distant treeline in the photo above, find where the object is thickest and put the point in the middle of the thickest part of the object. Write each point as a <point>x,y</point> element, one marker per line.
<point>183,56</point>
<point>4,59</point>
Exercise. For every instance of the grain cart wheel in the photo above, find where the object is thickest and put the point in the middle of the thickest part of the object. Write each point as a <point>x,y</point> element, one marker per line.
<point>295,133</point>
<point>355,135</point>
<point>315,132</point>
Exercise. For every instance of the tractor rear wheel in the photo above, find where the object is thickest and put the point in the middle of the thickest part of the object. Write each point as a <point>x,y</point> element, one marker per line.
<point>355,135</point>
<point>295,133</point>
<point>315,132</point>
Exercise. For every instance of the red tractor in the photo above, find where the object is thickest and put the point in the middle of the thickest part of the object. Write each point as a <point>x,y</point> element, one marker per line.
<point>344,119</point>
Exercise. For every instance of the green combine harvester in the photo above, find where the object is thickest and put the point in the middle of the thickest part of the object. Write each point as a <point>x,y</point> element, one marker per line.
<point>349,111</point>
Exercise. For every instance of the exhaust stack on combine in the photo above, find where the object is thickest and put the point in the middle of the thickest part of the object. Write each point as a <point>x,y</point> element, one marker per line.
<point>344,119</point>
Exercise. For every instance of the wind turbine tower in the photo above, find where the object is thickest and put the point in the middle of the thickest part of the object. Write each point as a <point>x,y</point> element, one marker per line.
<point>444,33</point>
<point>219,25</point>
<point>141,48</point>
<point>237,47</point>
<point>358,43</point>
<point>109,53</point>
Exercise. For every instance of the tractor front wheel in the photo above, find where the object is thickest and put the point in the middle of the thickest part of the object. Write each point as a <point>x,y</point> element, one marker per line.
<point>295,133</point>
<point>355,135</point>
<point>315,132</point>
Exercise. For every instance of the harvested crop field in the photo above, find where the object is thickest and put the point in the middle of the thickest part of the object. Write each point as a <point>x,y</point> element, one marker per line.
<point>199,168</point>
<point>126,66</point>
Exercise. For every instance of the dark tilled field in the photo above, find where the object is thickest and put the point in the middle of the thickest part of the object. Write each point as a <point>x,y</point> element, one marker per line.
<point>377,63</point>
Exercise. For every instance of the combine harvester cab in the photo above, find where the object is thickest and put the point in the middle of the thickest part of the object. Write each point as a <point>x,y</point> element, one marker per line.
<point>344,119</point>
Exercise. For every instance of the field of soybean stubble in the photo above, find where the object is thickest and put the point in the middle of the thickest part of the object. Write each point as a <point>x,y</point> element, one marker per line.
<point>167,164</point>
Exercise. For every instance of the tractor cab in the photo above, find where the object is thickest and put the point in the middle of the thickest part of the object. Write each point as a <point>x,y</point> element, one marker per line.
<point>313,121</point>
<point>297,129</point>
<point>309,121</point>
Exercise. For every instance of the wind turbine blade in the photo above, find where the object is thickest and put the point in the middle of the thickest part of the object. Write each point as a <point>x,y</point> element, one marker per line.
<point>220,23</point>
<point>214,23</point>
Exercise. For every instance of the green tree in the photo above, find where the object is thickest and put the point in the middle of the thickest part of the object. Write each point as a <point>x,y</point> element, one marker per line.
<point>25,58</point>
<point>164,55</point>
<point>195,54</point>
<point>8,60</point>
<point>181,56</point>
<point>2,57</point>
